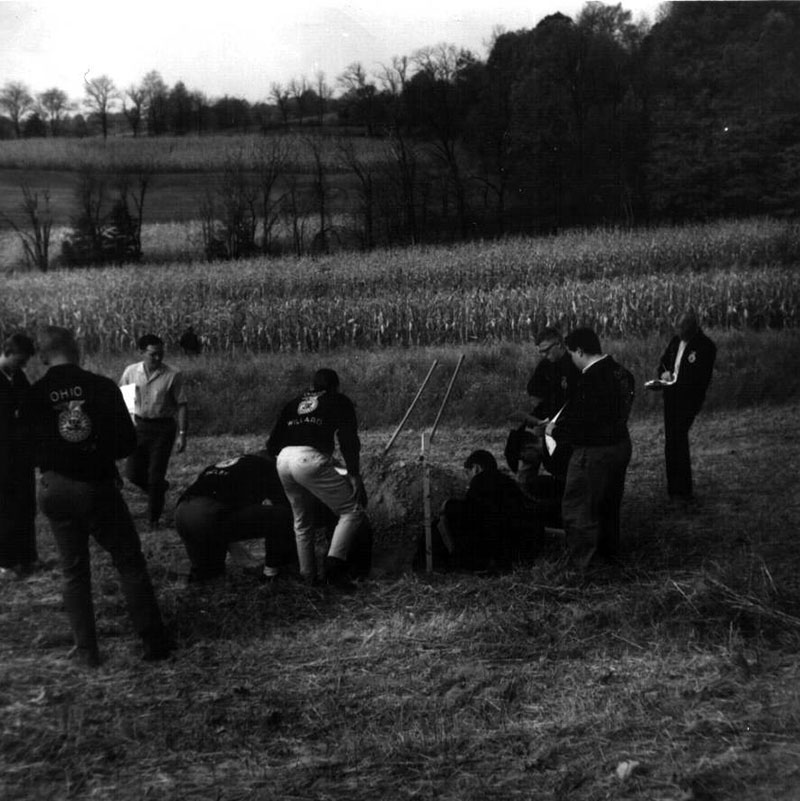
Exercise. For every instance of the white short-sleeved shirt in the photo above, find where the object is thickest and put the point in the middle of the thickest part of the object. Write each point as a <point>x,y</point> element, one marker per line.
<point>158,395</point>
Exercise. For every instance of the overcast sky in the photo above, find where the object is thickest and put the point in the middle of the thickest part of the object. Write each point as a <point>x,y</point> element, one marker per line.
<point>241,48</point>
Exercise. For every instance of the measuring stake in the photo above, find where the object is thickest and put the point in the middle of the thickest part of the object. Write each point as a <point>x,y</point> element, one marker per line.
<point>427,438</point>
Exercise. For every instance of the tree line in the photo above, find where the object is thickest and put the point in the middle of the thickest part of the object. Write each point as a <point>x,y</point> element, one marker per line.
<point>575,122</point>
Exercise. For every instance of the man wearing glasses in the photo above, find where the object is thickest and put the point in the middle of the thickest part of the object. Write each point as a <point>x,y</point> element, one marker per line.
<point>551,384</point>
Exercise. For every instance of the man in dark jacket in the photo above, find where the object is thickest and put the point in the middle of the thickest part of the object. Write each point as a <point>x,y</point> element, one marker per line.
<point>551,384</point>
<point>490,528</point>
<point>232,500</point>
<point>18,553</point>
<point>595,423</point>
<point>80,427</point>
<point>303,442</point>
<point>685,370</point>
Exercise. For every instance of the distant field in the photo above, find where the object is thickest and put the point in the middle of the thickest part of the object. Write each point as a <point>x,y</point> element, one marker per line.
<point>169,154</point>
<point>171,196</point>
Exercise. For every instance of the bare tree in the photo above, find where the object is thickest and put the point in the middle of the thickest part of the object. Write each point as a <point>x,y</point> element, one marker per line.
<point>17,101</point>
<point>35,238</point>
<point>324,94</point>
<point>134,111</point>
<point>298,90</point>
<point>53,103</point>
<point>270,157</point>
<point>101,95</point>
<point>365,172</point>
<point>321,189</point>
<point>281,98</point>
<point>394,77</point>
<point>155,102</point>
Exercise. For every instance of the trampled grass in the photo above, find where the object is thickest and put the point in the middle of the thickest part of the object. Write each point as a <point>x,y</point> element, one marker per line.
<point>675,680</point>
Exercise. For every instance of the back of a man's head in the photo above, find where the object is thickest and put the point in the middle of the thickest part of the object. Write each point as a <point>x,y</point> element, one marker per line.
<point>482,459</point>
<point>19,345</point>
<point>58,342</point>
<point>548,334</point>
<point>584,339</point>
<point>326,380</point>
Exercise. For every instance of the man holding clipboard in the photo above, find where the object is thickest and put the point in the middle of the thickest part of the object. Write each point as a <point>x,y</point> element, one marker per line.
<point>684,375</point>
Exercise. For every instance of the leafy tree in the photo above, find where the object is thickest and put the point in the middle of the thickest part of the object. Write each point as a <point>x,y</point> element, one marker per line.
<point>54,104</point>
<point>17,100</point>
<point>35,127</point>
<point>155,103</point>
<point>179,109</point>
<point>133,107</point>
<point>724,110</point>
<point>438,98</point>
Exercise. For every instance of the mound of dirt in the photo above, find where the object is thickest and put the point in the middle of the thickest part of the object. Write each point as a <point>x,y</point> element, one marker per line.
<point>396,509</point>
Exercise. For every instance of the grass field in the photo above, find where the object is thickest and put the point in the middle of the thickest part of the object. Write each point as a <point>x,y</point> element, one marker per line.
<point>676,680</point>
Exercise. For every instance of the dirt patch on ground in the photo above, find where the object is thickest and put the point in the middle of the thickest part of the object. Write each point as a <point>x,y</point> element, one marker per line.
<point>396,509</point>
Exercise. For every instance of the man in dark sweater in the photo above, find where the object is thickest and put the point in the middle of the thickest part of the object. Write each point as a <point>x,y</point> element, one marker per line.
<point>685,370</point>
<point>80,427</point>
<point>235,499</point>
<point>595,424</point>
<point>242,499</point>
<point>303,442</point>
<point>488,529</point>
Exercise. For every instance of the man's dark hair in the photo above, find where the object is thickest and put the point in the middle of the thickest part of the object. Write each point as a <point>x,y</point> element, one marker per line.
<point>585,339</point>
<point>326,380</point>
<point>483,459</point>
<point>20,345</point>
<point>548,332</point>
<point>54,339</point>
<point>149,339</point>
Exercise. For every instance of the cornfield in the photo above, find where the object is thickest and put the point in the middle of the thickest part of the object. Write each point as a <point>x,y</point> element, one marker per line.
<point>623,284</point>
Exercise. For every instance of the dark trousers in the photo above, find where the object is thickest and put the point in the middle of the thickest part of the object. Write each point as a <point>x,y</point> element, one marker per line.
<point>17,517</point>
<point>146,467</point>
<point>77,510</point>
<point>677,422</point>
<point>590,507</point>
<point>206,526</point>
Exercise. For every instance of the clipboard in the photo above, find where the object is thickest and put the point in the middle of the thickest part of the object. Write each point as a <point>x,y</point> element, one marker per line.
<point>129,396</point>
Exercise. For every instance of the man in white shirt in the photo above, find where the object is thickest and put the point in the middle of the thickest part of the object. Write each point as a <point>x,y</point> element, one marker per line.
<point>160,416</point>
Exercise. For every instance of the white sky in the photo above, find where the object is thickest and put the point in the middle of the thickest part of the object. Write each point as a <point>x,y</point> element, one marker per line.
<point>241,48</point>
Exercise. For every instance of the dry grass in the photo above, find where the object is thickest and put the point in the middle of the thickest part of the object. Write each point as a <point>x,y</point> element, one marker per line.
<point>676,679</point>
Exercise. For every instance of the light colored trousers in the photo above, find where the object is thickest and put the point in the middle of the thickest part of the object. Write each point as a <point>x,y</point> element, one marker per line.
<point>307,474</point>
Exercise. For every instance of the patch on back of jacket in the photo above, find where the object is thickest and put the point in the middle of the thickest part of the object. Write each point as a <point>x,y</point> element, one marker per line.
<point>74,425</point>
